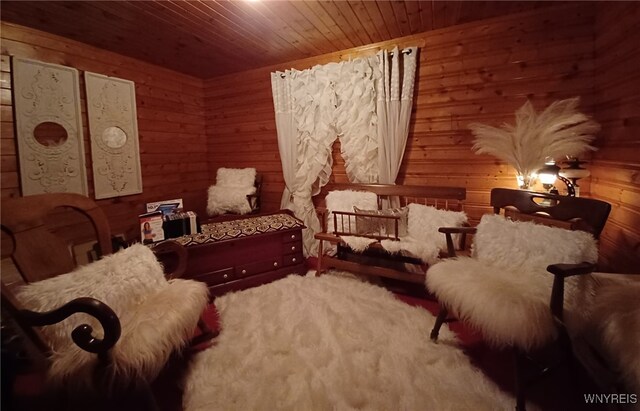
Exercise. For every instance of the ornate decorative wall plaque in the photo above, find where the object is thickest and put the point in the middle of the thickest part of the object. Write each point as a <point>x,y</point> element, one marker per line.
<point>113,128</point>
<point>48,128</point>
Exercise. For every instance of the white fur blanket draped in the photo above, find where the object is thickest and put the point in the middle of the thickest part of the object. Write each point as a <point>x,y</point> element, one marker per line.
<point>332,343</point>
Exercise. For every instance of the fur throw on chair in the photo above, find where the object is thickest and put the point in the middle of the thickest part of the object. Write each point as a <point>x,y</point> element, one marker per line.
<point>229,194</point>
<point>424,222</point>
<point>157,316</point>
<point>613,328</point>
<point>422,239</point>
<point>504,290</point>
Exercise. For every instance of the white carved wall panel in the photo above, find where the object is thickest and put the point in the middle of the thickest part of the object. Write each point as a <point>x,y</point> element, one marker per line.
<point>48,128</point>
<point>113,128</point>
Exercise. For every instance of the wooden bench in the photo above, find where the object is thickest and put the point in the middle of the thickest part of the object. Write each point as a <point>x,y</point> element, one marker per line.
<point>375,260</point>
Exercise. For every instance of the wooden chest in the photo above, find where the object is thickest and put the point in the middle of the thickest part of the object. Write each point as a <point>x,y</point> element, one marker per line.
<point>234,255</point>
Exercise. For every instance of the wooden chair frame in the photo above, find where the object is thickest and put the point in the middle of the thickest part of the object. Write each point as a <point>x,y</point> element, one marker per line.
<point>576,213</point>
<point>450,198</point>
<point>40,254</point>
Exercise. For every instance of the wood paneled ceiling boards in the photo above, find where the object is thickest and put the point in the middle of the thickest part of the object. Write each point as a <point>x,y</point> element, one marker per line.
<point>212,38</point>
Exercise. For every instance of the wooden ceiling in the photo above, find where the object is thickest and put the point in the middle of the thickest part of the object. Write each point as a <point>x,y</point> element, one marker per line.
<point>210,38</point>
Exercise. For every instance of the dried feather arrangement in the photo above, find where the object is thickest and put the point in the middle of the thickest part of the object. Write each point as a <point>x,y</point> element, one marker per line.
<point>559,131</point>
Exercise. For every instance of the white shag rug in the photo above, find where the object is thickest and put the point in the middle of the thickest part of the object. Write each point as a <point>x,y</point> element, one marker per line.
<point>332,343</point>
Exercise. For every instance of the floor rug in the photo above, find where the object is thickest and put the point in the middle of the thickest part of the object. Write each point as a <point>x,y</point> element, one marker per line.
<point>332,343</point>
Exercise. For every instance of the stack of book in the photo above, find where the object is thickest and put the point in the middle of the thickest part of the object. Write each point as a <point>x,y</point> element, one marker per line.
<point>165,219</point>
<point>180,223</point>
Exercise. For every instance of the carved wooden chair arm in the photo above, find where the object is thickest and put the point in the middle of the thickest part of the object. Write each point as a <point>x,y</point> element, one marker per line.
<point>172,247</point>
<point>560,272</point>
<point>332,238</point>
<point>449,231</point>
<point>82,335</point>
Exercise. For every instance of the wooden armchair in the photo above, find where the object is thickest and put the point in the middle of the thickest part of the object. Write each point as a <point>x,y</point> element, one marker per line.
<point>504,289</point>
<point>133,318</point>
<point>236,192</point>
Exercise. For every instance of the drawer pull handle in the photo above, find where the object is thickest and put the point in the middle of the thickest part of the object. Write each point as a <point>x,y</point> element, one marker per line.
<point>275,264</point>
<point>293,260</point>
<point>225,276</point>
<point>293,236</point>
<point>293,248</point>
<point>244,271</point>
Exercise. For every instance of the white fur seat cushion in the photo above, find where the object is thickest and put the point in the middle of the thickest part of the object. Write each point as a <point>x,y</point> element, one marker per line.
<point>505,290</point>
<point>156,316</point>
<point>229,194</point>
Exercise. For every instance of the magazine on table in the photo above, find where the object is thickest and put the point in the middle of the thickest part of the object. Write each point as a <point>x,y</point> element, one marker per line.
<point>166,207</point>
<point>151,230</point>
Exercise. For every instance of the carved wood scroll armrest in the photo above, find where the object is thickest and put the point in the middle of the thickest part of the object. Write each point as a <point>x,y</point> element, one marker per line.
<point>449,231</point>
<point>82,334</point>
<point>172,247</point>
<point>560,272</point>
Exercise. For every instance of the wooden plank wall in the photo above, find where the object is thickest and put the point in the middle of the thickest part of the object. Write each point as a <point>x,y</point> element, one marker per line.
<point>171,120</point>
<point>616,165</point>
<point>476,72</point>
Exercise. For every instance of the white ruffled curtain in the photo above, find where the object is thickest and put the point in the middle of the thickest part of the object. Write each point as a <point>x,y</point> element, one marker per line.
<point>295,146</point>
<point>356,119</point>
<point>314,107</point>
<point>394,102</point>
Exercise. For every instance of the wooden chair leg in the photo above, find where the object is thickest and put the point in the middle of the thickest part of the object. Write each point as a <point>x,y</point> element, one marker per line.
<point>440,319</point>
<point>520,379</point>
<point>320,252</point>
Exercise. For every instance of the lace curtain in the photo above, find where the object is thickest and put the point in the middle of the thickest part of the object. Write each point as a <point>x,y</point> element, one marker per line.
<point>314,107</point>
<point>394,102</point>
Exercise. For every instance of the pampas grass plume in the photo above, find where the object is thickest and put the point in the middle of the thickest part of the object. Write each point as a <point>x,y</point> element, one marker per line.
<point>559,131</point>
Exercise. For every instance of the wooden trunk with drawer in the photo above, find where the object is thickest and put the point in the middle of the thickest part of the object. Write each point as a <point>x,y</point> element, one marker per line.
<point>260,256</point>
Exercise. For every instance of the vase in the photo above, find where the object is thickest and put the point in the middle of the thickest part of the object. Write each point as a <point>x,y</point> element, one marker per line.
<point>525,182</point>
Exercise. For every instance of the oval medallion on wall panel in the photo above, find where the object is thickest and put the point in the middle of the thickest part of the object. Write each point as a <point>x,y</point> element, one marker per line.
<point>113,129</point>
<point>48,128</point>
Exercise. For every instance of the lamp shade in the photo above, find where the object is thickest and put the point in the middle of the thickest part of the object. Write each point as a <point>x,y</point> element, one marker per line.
<point>575,173</point>
<point>548,174</point>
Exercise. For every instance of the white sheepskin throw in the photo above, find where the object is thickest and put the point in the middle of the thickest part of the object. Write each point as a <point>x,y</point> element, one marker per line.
<point>332,343</point>
<point>427,252</point>
<point>505,291</point>
<point>229,195</point>
<point>157,316</point>
<point>357,244</point>
<point>223,200</point>
<point>236,177</point>
<point>423,240</point>
<point>509,243</point>
<point>614,325</point>
<point>424,222</point>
